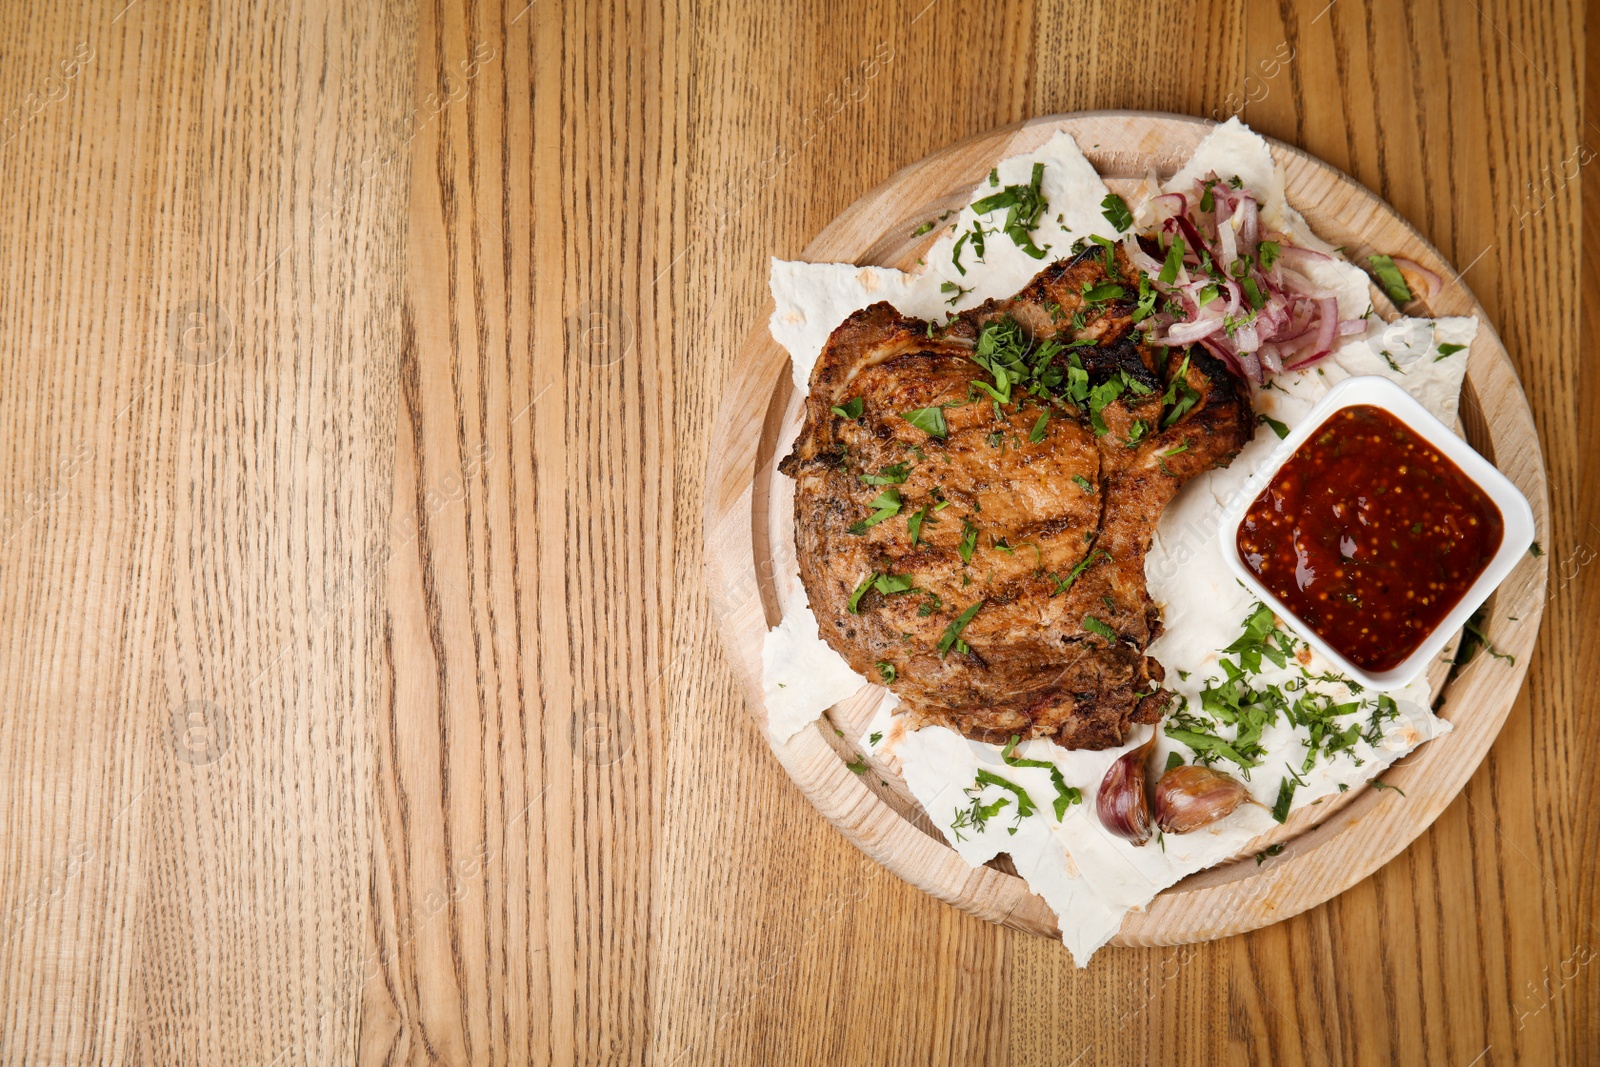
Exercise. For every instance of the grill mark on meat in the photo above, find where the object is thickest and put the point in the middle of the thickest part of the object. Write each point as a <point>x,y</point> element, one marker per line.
<point>1032,667</point>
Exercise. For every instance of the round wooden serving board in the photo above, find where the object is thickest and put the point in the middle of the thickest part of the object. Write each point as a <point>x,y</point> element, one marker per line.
<point>1330,846</point>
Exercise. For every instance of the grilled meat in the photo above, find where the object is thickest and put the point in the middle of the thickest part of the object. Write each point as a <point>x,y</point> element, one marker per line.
<point>985,556</point>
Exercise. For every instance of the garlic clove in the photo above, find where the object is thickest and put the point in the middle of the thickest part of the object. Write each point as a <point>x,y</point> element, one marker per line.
<point>1122,805</point>
<point>1192,795</point>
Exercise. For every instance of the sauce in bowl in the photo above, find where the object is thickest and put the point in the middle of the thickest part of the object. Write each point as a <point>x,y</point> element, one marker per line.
<point>1370,536</point>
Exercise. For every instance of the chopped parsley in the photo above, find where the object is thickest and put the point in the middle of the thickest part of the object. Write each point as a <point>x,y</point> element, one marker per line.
<point>887,672</point>
<point>1066,795</point>
<point>929,420</point>
<point>1063,584</point>
<point>1102,293</point>
<point>969,541</point>
<point>952,633</point>
<point>886,584</point>
<point>1099,397</point>
<point>1267,853</point>
<point>1095,626</point>
<point>891,475</point>
<point>1115,209</point>
<point>1277,427</point>
<point>1280,808</point>
<point>956,291</point>
<point>914,523</point>
<point>1024,205</point>
<point>1174,262</point>
<point>1390,280</point>
<point>887,504</point>
<point>1180,395</point>
<point>1147,299</point>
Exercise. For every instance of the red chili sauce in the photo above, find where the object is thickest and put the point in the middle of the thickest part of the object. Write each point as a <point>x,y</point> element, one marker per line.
<point>1370,536</point>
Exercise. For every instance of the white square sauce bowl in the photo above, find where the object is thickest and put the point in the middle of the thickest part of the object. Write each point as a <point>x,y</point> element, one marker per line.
<point>1515,514</point>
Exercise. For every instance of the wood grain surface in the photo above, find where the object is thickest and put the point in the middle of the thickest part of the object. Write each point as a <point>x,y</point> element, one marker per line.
<point>362,699</point>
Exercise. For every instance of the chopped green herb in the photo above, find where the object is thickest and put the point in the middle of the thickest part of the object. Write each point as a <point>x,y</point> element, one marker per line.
<point>859,766</point>
<point>1024,204</point>
<point>977,815</point>
<point>969,541</point>
<point>1174,262</point>
<point>1390,280</point>
<point>861,590</point>
<point>1095,626</point>
<point>1100,294</point>
<point>1536,550</point>
<point>1448,350</point>
<point>929,420</point>
<point>1173,760</point>
<point>888,673</point>
<point>957,291</point>
<point>1100,396</point>
<point>888,506</point>
<point>891,475</point>
<point>1083,483</point>
<point>1267,853</point>
<point>1077,379</point>
<point>1037,433</point>
<point>914,523</point>
<point>1115,209</point>
<point>1063,584</point>
<point>926,227</point>
<point>1025,804</point>
<point>1278,428</point>
<point>1066,796</point>
<point>852,409</point>
<point>1253,293</point>
<point>1380,786</point>
<point>952,633</point>
<point>1180,395</point>
<point>1268,251</point>
<point>1473,637</point>
<point>1280,808</point>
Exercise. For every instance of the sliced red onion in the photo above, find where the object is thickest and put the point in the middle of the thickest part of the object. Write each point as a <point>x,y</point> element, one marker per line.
<point>1227,245</point>
<point>1187,333</point>
<point>1296,254</point>
<point>1139,258</point>
<point>1249,224</point>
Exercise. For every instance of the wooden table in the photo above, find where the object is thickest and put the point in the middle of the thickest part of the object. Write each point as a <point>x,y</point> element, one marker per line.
<point>361,697</point>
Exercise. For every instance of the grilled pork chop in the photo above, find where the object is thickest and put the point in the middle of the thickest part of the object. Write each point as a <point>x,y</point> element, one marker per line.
<point>974,501</point>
